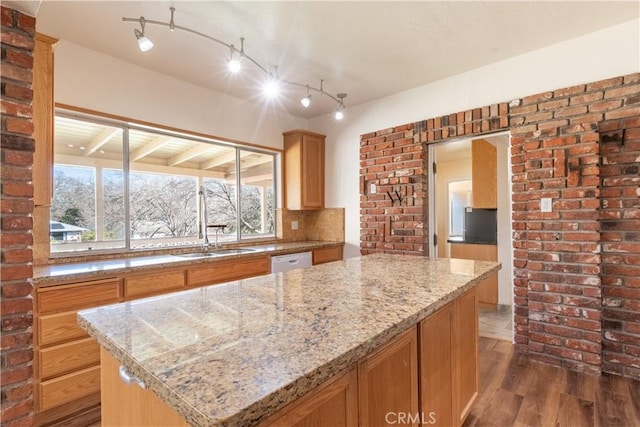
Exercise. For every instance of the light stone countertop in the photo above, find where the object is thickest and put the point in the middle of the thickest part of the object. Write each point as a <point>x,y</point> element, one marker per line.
<point>52,274</point>
<point>233,354</point>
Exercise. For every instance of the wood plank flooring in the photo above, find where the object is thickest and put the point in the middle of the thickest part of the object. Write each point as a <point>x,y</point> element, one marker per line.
<point>515,391</point>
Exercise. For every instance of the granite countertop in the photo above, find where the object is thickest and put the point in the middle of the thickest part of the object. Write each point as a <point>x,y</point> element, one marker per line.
<point>233,354</point>
<point>52,274</point>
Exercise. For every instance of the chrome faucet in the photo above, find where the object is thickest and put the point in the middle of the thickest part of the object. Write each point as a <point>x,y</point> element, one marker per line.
<point>203,219</point>
<point>204,222</point>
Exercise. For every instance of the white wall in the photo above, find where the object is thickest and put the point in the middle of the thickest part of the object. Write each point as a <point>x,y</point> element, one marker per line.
<point>608,53</point>
<point>88,79</point>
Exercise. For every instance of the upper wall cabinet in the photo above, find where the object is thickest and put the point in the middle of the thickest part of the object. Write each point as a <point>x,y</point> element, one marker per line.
<point>43,119</point>
<point>484,172</point>
<point>303,170</point>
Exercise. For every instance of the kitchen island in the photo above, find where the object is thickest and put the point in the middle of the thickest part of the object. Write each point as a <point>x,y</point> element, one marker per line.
<point>237,353</point>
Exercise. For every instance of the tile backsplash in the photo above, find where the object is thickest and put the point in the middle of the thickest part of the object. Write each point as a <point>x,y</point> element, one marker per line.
<point>324,224</point>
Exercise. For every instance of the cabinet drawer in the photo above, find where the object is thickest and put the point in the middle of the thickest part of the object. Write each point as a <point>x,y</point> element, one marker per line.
<point>75,297</point>
<point>153,283</point>
<point>69,387</point>
<point>68,357</point>
<point>327,255</point>
<point>227,271</point>
<point>59,327</point>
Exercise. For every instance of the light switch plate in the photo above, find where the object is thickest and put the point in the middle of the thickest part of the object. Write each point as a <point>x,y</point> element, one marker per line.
<point>545,204</point>
<point>372,188</point>
<point>294,225</point>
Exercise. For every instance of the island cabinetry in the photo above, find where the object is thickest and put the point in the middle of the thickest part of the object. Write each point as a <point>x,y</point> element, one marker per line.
<point>225,271</point>
<point>148,284</point>
<point>334,403</point>
<point>388,382</point>
<point>448,362</point>
<point>135,406</point>
<point>67,360</point>
<point>303,170</point>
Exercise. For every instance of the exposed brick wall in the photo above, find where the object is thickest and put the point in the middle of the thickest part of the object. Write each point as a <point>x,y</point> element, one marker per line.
<point>394,219</point>
<point>16,207</point>
<point>564,259</point>
<point>555,154</point>
<point>620,226</point>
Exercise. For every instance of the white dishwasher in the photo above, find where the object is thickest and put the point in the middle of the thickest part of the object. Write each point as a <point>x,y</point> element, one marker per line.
<point>290,262</point>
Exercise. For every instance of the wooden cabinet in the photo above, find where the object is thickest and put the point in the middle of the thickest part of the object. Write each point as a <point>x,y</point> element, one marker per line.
<point>334,403</point>
<point>67,363</point>
<point>129,404</point>
<point>43,119</point>
<point>43,123</point>
<point>322,255</point>
<point>449,361</point>
<point>388,381</point>
<point>484,174</point>
<point>488,288</point>
<point>225,271</point>
<point>149,284</point>
<point>303,170</point>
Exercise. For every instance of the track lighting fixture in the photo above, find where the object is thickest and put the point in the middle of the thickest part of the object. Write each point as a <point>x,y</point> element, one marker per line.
<point>306,101</point>
<point>236,57</point>
<point>143,42</point>
<point>340,111</point>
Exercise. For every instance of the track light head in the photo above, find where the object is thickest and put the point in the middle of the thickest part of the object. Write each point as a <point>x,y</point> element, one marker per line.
<point>340,111</point>
<point>143,42</point>
<point>272,88</point>
<point>306,101</point>
<point>234,65</point>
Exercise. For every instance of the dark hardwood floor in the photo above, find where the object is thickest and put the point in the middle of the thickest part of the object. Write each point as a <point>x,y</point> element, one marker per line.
<point>515,391</point>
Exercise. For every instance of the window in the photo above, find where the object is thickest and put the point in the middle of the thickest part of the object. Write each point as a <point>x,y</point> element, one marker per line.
<point>459,199</point>
<point>105,200</point>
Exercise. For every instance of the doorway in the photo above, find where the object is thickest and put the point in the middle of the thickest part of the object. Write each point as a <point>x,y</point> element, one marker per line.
<point>453,167</point>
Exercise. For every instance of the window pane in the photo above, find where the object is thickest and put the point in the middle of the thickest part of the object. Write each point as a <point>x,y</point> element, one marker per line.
<point>163,210</point>
<point>257,194</point>
<point>222,196</point>
<point>88,160</point>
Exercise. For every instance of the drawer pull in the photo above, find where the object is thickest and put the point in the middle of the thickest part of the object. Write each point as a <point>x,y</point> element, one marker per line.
<point>129,378</point>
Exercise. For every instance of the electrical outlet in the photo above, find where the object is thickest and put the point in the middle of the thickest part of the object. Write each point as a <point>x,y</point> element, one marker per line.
<point>294,225</point>
<point>546,204</point>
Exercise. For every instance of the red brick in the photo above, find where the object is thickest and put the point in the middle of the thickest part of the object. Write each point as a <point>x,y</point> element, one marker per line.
<point>16,410</point>
<point>15,290</point>
<point>16,223</point>
<point>15,375</point>
<point>18,357</point>
<point>603,84</point>
<point>18,91</point>
<point>17,393</point>
<point>19,125</point>
<point>17,158</point>
<point>15,272</point>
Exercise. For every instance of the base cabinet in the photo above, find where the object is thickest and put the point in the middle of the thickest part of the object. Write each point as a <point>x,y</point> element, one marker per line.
<point>449,361</point>
<point>488,289</point>
<point>129,404</point>
<point>334,403</point>
<point>427,375</point>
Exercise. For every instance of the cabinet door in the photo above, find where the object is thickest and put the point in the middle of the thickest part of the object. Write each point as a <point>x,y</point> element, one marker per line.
<point>465,348</point>
<point>312,172</point>
<point>388,383</point>
<point>484,174</point>
<point>334,403</point>
<point>303,170</point>
<point>437,367</point>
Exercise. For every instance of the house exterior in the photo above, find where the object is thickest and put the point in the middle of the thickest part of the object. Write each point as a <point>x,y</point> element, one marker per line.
<point>61,232</point>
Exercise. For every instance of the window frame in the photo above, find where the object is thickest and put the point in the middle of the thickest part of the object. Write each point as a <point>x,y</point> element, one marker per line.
<point>127,125</point>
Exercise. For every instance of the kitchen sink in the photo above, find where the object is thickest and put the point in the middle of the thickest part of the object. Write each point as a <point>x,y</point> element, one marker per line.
<point>216,253</point>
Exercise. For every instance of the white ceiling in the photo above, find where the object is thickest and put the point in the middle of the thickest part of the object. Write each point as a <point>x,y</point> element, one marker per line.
<point>366,49</point>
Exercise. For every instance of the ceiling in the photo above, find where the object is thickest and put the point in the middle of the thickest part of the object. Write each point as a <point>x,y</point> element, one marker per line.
<point>366,49</point>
